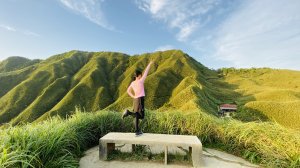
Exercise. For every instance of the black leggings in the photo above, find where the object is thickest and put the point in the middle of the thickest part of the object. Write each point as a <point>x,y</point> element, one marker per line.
<point>138,115</point>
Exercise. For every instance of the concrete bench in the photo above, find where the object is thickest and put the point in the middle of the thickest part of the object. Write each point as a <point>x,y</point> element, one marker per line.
<point>107,143</point>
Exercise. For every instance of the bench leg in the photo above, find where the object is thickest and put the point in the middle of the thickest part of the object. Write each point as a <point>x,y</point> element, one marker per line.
<point>132,147</point>
<point>196,155</point>
<point>104,149</point>
<point>166,155</point>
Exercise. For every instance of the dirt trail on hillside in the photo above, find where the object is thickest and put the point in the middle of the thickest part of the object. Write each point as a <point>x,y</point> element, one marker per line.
<point>212,159</point>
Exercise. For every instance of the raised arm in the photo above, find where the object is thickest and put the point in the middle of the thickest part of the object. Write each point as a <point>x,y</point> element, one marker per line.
<point>146,71</point>
<point>129,91</point>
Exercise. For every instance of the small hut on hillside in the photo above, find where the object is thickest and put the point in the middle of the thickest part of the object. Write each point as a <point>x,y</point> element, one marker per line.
<point>226,109</point>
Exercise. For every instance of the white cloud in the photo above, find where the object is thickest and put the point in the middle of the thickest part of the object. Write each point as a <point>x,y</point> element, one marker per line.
<point>152,6</point>
<point>164,48</point>
<point>30,33</point>
<point>13,29</point>
<point>257,33</point>
<point>186,31</point>
<point>8,28</point>
<point>90,9</point>
<point>261,34</point>
<point>184,16</point>
<point>157,5</point>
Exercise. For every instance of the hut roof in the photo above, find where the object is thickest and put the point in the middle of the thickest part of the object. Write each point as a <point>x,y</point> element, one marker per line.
<point>228,107</point>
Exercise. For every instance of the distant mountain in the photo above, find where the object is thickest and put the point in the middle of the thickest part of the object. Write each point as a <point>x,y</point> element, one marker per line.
<point>35,90</point>
<point>15,63</point>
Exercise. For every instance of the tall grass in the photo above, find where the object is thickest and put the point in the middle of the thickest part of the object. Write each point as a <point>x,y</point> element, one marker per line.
<point>265,143</point>
<point>60,143</point>
<point>56,142</point>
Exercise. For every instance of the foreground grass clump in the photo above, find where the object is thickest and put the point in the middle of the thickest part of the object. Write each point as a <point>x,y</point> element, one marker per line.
<point>265,143</point>
<point>60,143</point>
<point>56,142</point>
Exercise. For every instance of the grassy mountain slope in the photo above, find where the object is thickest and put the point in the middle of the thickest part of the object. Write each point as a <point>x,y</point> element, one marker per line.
<point>183,93</point>
<point>15,63</point>
<point>94,81</point>
<point>274,93</point>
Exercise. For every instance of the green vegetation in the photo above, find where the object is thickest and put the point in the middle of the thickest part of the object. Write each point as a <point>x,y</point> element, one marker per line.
<point>37,90</point>
<point>55,143</point>
<point>15,63</point>
<point>34,91</point>
<point>59,142</point>
<point>274,94</point>
<point>95,81</point>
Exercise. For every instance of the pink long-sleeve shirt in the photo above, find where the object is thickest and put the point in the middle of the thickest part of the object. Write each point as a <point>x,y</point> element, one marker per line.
<point>138,85</point>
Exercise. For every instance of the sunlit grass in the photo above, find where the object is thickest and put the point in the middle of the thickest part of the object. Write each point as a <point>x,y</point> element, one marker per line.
<point>59,142</point>
<point>270,92</point>
<point>285,113</point>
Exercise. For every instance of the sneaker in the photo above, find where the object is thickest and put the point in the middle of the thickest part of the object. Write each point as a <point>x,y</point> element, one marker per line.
<point>125,114</point>
<point>138,133</point>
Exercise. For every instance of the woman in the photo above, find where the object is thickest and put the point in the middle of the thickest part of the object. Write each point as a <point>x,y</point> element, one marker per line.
<point>138,98</point>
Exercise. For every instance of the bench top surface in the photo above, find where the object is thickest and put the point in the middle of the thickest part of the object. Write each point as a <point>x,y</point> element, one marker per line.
<point>148,138</point>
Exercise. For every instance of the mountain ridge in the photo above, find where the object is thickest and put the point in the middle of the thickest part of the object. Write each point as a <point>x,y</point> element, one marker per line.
<point>98,80</point>
<point>81,73</point>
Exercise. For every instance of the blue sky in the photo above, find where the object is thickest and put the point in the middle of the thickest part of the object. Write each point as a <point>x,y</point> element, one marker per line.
<point>217,33</point>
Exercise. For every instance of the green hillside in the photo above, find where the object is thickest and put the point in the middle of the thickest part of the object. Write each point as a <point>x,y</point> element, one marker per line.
<point>94,81</point>
<point>274,93</point>
<point>15,63</point>
<point>34,90</point>
<point>182,98</point>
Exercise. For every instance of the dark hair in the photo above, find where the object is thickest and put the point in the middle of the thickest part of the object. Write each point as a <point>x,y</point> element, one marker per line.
<point>136,74</point>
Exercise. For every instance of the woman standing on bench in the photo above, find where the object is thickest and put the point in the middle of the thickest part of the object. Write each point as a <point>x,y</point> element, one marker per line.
<point>137,85</point>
